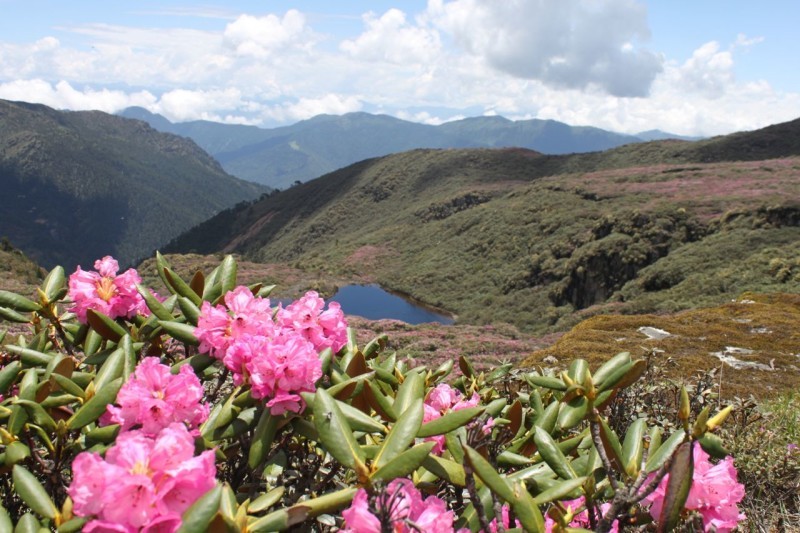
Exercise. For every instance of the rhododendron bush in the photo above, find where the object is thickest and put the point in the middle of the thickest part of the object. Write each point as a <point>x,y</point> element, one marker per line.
<point>211,409</point>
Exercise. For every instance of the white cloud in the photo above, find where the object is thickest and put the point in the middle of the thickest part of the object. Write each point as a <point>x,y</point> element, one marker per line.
<point>709,71</point>
<point>390,38</point>
<point>181,105</point>
<point>563,43</point>
<point>330,104</point>
<point>260,37</point>
<point>63,96</point>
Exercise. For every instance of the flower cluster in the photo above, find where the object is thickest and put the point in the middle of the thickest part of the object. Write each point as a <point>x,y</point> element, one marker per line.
<point>278,358</point>
<point>144,483</point>
<point>154,398</point>
<point>442,400</point>
<point>714,493</point>
<point>105,291</point>
<point>401,508</point>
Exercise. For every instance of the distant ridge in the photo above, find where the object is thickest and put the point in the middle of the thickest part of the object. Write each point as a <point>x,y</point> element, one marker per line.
<point>279,157</point>
<point>80,185</point>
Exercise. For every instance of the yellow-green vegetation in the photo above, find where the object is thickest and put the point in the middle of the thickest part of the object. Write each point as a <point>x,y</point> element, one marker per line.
<point>17,272</point>
<point>759,330</point>
<point>765,441</point>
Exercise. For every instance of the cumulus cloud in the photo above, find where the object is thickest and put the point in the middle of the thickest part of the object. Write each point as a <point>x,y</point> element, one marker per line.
<point>180,105</point>
<point>391,38</point>
<point>63,96</point>
<point>709,71</point>
<point>262,36</point>
<point>563,43</point>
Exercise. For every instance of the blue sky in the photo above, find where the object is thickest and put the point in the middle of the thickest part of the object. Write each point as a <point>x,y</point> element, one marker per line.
<point>697,68</point>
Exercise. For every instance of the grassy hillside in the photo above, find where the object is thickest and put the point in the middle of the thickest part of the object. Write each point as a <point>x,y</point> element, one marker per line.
<point>80,185</point>
<point>509,236</point>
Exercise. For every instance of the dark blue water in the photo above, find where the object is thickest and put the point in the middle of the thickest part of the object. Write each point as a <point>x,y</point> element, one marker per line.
<point>374,303</point>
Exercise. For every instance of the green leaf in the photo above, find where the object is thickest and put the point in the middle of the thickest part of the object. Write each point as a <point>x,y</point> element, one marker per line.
<point>92,343</point>
<point>156,307</point>
<point>227,274</point>
<point>578,370</point>
<point>16,452</point>
<point>547,382</point>
<point>402,433</point>
<point>28,524</point>
<point>104,325</point>
<point>180,287</point>
<point>96,406</point>
<point>54,284</point>
<point>661,455</point>
<point>38,414</point>
<point>102,435</point>
<point>32,492</point>
<point>488,474</point>
<point>466,367</point>
<point>335,433</point>
<point>265,501</point>
<point>12,316</point>
<point>552,455</point>
<point>610,367</point>
<point>379,401</point>
<point>5,520</point>
<point>28,356</point>
<point>612,445</point>
<point>633,447</point>
<point>713,445</point>
<point>189,310</point>
<point>180,331</point>
<point>678,485</point>
<point>263,435</point>
<point>405,463</point>
<point>449,422</point>
<point>111,369</point>
<point>450,471</point>
<point>572,413</point>
<point>199,515</point>
<point>526,509</point>
<point>128,357</point>
<point>8,374</point>
<point>410,390</point>
<point>300,512</point>
<point>72,526</point>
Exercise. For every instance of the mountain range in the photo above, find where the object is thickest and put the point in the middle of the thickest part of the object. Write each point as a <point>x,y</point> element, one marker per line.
<point>81,185</point>
<point>539,241</point>
<point>280,157</point>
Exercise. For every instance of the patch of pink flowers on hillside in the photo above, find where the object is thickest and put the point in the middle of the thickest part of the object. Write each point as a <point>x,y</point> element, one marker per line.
<point>154,398</point>
<point>278,358</point>
<point>105,291</point>
<point>401,504</point>
<point>442,400</point>
<point>714,494</point>
<point>144,483</point>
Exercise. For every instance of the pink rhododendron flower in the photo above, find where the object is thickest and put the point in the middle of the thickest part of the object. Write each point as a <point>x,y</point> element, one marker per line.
<point>278,360</point>
<point>400,504</point>
<point>442,400</point>
<point>154,398</point>
<point>282,368</point>
<point>323,328</point>
<point>105,291</point>
<point>144,483</point>
<point>714,494</point>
